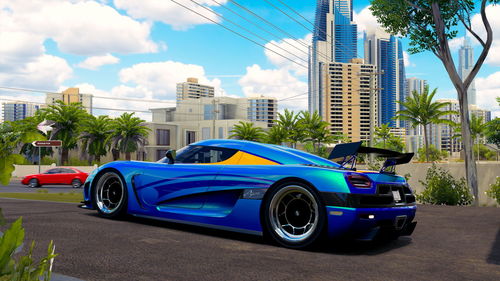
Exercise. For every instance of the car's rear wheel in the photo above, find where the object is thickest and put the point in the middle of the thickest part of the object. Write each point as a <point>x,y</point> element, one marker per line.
<point>110,195</point>
<point>294,215</point>
<point>33,183</point>
<point>76,183</point>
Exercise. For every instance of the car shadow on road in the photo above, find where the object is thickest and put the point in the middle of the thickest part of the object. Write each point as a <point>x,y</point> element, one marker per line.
<point>343,246</point>
<point>494,256</point>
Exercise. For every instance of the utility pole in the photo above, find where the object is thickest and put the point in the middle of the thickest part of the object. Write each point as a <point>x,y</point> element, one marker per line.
<point>214,116</point>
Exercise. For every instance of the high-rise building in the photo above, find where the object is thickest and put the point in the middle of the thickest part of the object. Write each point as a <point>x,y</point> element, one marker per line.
<point>71,95</point>
<point>191,89</point>
<point>263,109</point>
<point>465,65</point>
<point>386,52</point>
<point>415,84</point>
<point>334,40</point>
<point>14,111</point>
<point>348,107</point>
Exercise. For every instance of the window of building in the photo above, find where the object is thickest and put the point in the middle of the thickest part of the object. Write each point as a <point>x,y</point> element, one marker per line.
<point>160,153</point>
<point>162,137</point>
<point>221,132</point>
<point>190,137</point>
<point>205,133</point>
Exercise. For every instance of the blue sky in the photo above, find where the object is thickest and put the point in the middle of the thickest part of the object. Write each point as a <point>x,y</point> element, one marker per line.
<point>140,49</point>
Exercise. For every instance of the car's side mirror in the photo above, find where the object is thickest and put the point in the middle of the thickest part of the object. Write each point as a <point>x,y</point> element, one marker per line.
<point>170,154</point>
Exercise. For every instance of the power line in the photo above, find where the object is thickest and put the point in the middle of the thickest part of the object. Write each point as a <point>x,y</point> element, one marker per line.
<point>258,26</point>
<point>237,33</point>
<point>247,30</point>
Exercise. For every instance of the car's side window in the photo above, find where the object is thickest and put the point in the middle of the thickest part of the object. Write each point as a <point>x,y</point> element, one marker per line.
<point>52,171</point>
<point>67,171</point>
<point>205,154</point>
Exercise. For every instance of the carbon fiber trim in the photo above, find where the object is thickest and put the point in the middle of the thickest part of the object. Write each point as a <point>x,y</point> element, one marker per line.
<point>384,198</point>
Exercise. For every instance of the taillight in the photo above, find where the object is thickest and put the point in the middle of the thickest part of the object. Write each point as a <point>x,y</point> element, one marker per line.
<point>359,181</point>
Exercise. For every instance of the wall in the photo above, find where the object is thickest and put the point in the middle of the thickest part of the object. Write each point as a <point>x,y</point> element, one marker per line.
<point>487,173</point>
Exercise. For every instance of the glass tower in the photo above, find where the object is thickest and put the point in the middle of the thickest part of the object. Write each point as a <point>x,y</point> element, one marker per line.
<point>465,65</point>
<point>334,40</point>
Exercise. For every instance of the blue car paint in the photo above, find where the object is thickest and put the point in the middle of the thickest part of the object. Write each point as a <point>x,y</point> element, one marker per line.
<point>159,182</point>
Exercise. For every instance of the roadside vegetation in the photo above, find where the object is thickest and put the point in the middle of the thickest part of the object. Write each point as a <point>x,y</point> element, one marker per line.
<point>494,191</point>
<point>44,195</point>
<point>441,188</point>
<point>22,268</point>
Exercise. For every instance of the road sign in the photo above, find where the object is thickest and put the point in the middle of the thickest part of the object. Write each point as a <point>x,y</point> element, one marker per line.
<point>48,143</point>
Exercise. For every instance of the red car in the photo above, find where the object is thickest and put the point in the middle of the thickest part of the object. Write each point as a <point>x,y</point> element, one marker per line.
<point>59,175</point>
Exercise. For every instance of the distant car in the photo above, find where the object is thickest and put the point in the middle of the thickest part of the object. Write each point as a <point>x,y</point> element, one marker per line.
<point>288,195</point>
<point>66,175</point>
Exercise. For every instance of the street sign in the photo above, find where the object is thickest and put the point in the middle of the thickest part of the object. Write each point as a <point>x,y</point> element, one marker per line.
<point>48,143</point>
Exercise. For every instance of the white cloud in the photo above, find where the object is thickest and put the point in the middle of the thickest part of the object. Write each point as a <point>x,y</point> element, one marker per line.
<point>78,27</point>
<point>93,63</point>
<point>42,72</point>
<point>161,77</point>
<point>169,12</point>
<point>278,83</point>
<point>296,50</point>
<point>365,19</point>
<point>488,89</point>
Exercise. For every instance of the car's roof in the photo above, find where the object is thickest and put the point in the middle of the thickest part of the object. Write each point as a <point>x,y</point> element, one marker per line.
<point>277,153</point>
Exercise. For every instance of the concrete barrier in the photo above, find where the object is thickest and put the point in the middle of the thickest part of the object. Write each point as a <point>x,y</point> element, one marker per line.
<point>24,170</point>
<point>487,172</point>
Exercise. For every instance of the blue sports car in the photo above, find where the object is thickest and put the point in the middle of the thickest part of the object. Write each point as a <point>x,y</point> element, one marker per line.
<point>288,195</point>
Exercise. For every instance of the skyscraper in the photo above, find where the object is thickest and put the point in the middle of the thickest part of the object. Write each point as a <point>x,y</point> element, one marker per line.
<point>465,65</point>
<point>386,52</point>
<point>14,111</point>
<point>334,40</point>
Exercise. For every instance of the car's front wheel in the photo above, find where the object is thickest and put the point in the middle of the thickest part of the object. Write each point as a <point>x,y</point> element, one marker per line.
<point>33,183</point>
<point>76,183</point>
<point>294,215</point>
<point>110,195</point>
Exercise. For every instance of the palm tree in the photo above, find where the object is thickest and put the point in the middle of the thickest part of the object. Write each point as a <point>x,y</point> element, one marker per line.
<point>10,141</point>
<point>95,136</point>
<point>276,135</point>
<point>478,129</point>
<point>315,129</point>
<point>129,133</point>
<point>67,118</point>
<point>421,110</point>
<point>383,132</point>
<point>247,131</point>
<point>289,121</point>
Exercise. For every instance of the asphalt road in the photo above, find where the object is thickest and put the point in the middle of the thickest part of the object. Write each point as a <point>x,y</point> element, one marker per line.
<point>449,243</point>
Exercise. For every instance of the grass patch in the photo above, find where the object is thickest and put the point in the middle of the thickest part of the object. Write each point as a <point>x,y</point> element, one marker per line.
<point>72,197</point>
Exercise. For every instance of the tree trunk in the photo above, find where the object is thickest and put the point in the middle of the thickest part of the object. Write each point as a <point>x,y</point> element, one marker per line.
<point>64,156</point>
<point>426,144</point>
<point>115,153</point>
<point>127,156</point>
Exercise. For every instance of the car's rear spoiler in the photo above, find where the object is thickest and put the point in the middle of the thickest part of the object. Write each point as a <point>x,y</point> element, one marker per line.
<point>348,153</point>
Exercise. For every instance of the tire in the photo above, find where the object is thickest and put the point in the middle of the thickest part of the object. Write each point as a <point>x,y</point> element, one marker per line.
<point>33,183</point>
<point>76,183</point>
<point>110,195</point>
<point>293,215</point>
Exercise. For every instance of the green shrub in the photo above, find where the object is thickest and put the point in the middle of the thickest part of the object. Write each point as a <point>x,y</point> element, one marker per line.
<point>440,188</point>
<point>434,154</point>
<point>73,161</point>
<point>48,161</point>
<point>24,268</point>
<point>494,191</point>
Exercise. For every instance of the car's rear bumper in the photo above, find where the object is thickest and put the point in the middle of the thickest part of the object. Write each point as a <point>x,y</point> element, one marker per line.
<point>367,223</point>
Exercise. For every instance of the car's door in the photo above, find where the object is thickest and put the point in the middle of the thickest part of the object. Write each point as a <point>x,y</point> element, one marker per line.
<point>65,176</point>
<point>182,185</point>
<point>49,176</point>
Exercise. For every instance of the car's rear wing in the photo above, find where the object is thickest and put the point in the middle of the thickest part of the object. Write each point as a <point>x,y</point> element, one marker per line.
<point>348,152</point>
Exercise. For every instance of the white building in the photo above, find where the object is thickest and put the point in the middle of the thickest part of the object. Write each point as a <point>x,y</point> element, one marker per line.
<point>71,95</point>
<point>191,89</point>
<point>465,65</point>
<point>14,111</point>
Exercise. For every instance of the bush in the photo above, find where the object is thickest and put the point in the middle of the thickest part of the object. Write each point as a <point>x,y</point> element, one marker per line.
<point>24,268</point>
<point>434,154</point>
<point>440,188</point>
<point>494,191</point>
<point>48,161</point>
